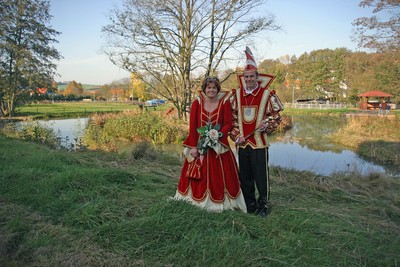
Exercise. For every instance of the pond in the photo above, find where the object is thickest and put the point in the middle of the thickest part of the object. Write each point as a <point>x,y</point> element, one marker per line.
<point>70,130</point>
<point>304,147</point>
<point>307,147</point>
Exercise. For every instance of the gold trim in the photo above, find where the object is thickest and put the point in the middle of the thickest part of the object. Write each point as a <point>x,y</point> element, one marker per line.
<point>260,117</point>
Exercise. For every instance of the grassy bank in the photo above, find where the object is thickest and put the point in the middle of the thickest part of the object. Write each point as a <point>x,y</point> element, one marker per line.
<point>314,111</point>
<point>79,109</point>
<point>335,112</point>
<point>88,208</point>
<point>75,109</point>
<point>111,131</point>
<point>376,138</point>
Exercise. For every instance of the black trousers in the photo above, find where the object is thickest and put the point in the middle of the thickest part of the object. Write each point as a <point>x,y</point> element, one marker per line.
<point>254,172</point>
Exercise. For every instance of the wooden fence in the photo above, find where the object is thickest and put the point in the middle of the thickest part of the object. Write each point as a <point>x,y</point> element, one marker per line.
<point>316,106</point>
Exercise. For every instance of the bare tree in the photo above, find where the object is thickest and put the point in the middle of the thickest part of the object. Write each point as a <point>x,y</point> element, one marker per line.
<point>172,44</point>
<point>375,32</point>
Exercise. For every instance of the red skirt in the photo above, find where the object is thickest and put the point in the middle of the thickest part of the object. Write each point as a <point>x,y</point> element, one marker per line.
<point>218,180</point>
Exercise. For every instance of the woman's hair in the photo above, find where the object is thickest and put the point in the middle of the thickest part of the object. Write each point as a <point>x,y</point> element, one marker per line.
<point>213,80</point>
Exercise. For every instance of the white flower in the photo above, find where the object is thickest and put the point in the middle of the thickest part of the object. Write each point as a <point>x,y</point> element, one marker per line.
<point>209,136</point>
<point>213,134</point>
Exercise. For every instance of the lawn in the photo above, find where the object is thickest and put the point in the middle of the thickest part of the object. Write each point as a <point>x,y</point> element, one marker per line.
<point>92,208</point>
<point>76,109</point>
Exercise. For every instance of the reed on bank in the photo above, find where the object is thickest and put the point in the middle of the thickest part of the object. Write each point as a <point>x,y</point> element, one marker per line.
<point>373,137</point>
<point>91,208</point>
<point>110,131</point>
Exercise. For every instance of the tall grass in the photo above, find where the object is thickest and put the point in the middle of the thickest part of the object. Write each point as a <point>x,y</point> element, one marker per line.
<point>33,132</point>
<point>335,111</point>
<point>106,131</point>
<point>381,151</point>
<point>374,137</point>
<point>91,208</point>
<point>315,111</point>
<point>359,129</point>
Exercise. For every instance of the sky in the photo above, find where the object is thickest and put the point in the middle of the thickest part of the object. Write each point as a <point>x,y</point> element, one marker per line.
<point>307,25</point>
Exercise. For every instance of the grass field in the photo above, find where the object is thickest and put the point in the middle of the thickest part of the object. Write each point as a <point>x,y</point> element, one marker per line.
<point>91,208</point>
<point>79,109</point>
<point>76,109</point>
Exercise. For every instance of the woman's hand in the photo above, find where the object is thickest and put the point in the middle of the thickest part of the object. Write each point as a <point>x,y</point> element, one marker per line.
<point>194,152</point>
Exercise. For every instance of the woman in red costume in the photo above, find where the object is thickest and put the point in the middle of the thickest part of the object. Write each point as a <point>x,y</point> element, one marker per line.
<point>209,177</point>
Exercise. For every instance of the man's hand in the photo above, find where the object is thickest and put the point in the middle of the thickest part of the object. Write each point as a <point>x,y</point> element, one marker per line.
<point>262,126</point>
<point>240,140</point>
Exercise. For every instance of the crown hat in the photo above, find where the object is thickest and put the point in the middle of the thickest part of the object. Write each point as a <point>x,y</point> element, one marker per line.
<point>250,62</point>
<point>264,80</point>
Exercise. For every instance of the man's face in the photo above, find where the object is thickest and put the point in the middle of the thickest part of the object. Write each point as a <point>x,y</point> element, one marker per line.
<point>250,78</point>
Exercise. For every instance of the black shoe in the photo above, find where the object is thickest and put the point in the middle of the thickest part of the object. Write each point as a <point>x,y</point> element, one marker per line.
<point>263,212</point>
<point>261,204</point>
<point>252,208</point>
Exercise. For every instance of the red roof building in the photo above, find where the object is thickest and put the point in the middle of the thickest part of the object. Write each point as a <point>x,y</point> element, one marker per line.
<point>375,104</point>
<point>375,93</point>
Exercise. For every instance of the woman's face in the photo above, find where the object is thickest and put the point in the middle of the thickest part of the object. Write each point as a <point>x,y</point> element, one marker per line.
<point>211,90</point>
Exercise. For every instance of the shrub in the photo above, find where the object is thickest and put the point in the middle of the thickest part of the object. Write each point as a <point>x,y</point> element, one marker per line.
<point>143,150</point>
<point>37,133</point>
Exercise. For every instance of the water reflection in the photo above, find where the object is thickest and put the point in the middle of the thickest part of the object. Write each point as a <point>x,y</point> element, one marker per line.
<point>68,129</point>
<point>312,132</point>
<point>307,147</point>
<point>295,156</point>
<point>304,147</point>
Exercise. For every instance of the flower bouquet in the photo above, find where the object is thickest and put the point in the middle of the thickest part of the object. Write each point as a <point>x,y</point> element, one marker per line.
<point>209,136</point>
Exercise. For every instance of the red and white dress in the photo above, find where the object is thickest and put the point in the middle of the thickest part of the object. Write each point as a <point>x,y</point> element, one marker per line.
<point>218,188</point>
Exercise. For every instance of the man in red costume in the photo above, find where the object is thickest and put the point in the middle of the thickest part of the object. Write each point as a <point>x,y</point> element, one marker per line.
<point>255,111</point>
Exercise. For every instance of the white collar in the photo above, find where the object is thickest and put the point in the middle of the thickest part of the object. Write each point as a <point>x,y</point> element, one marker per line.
<point>250,91</point>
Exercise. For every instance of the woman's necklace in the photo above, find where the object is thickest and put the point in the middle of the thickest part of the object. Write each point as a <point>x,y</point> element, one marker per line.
<point>209,116</point>
<point>210,107</point>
